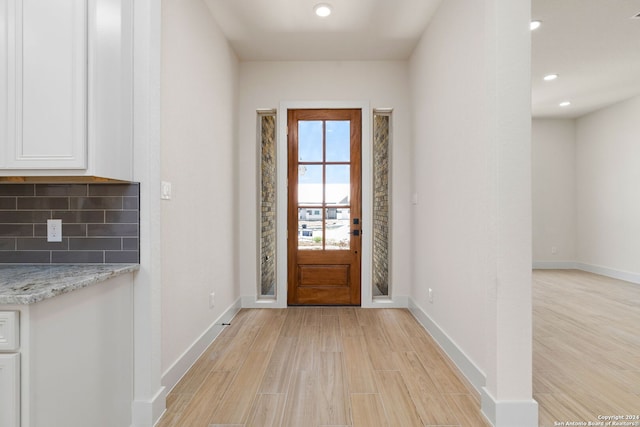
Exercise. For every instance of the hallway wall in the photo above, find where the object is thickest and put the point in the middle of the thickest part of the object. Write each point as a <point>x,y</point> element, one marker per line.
<point>470,81</point>
<point>553,149</point>
<point>607,201</point>
<point>199,95</point>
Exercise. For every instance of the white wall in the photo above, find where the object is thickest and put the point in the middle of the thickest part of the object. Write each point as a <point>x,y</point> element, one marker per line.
<point>472,225</point>
<point>199,94</point>
<point>608,179</point>
<point>266,84</point>
<point>553,151</point>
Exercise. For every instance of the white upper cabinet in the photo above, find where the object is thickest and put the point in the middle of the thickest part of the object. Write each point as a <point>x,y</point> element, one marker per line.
<point>66,69</point>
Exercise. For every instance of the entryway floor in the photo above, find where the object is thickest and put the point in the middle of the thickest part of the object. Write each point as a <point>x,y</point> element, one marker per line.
<point>321,366</point>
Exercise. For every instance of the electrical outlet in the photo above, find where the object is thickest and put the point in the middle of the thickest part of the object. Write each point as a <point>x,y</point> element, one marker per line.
<point>54,230</point>
<point>431,295</point>
<point>554,250</point>
<point>212,299</point>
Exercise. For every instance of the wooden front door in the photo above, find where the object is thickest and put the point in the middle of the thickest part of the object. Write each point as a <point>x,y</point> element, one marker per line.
<point>324,207</point>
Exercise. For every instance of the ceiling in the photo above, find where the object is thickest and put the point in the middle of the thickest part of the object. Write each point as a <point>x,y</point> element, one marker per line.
<point>593,45</point>
<point>288,30</point>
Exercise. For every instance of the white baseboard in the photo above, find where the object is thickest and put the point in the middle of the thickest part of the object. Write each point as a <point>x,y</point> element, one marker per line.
<point>610,272</point>
<point>596,269</point>
<point>509,413</point>
<point>469,369</point>
<point>555,265</point>
<point>146,413</point>
<point>397,301</point>
<point>176,371</point>
<point>253,302</point>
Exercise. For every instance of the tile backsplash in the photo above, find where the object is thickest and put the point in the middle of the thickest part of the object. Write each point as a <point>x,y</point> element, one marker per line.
<point>100,223</point>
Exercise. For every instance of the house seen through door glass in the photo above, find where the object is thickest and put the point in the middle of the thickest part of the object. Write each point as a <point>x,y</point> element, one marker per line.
<point>324,185</point>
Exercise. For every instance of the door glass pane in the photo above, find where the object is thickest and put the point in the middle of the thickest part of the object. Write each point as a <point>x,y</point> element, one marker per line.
<point>338,140</point>
<point>338,189</point>
<point>310,184</point>
<point>310,141</point>
<point>338,228</point>
<point>309,228</point>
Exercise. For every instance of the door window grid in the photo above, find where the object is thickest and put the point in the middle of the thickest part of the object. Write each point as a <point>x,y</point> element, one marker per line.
<point>324,184</point>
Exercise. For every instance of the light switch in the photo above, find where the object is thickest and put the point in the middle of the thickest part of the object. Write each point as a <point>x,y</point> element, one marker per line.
<point>414,198</point>
<point>165,190</point>
<point>54,230</point>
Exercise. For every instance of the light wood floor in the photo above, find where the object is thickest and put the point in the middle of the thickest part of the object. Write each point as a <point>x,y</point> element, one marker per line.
<point>306,367</point>
<point>586,347</point>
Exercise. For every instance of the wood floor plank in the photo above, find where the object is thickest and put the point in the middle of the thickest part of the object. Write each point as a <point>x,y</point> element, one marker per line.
<point>358,365</point>
<point>378,349</point>
<point>267,411</point>
<point>349,325</point>
<point>300,408</point>
<point>332,394</point>
<point>238,399</point>
<point>278,373</point>
<point>238,349</point>
<point>368,411</point>
<point>330,336</point>
<point>268,335</point>
<point>200,409</point>
<point>398,405</point>
<point>467,410</point>
<point>432,407</point>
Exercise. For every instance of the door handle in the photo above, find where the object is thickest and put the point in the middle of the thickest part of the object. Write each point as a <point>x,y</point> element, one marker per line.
<point>357,232</point>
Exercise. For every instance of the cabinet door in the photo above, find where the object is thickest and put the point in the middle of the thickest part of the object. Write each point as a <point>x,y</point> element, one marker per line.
<point>50,77</point>
<point>4,78</point>
<point>10,390</point>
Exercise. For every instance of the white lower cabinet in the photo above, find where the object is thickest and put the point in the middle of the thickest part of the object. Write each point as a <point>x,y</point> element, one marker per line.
<point>10,390</point>
<point>9,369</point>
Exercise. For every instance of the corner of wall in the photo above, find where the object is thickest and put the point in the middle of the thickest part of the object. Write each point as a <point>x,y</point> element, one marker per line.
<point>186,360</point>
<point>509,413</point>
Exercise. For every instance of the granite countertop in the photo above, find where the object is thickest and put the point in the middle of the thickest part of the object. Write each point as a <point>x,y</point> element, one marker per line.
<point>29,284</point>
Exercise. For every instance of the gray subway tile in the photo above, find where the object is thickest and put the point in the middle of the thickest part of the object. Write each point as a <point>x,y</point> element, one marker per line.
<point>43,203</point>
<point>131,203</point>
<point>111,230</point>
<point>17,230</point>
<point>130,244</point>
<point>41,244</point>
<point>8,203</point>
<point>95,203</point>
<point>95,244</point>
<point>61,190</point>
<point>122,257</point>
<point>127,217</point>
<point>24,217</point>
<point>7,244</point>
<point>114,189</point>
<point>79,216</point>
<point>25,257</point>
<point>17,190</point>
<point>78,257</point>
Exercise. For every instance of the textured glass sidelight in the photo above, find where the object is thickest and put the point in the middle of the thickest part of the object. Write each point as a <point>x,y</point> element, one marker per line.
<point>267,256</point>
<point>381,137</point>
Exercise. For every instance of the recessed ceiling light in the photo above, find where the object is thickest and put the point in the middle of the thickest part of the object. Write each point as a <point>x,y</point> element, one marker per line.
<point>534,25</point>
<point>564,104</point>
<point>550,77</point>
<point>322,10</point>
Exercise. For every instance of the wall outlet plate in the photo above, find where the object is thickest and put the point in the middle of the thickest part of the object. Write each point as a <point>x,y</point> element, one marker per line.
<point>54,230</point>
